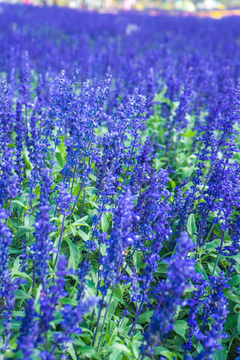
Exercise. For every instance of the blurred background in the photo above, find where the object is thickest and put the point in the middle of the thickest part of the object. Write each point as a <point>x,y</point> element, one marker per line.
<point>203,8</point>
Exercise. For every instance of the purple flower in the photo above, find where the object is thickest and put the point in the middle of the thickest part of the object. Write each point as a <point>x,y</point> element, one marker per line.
<point>7,286</point>
<point>180,269</point>
<point>43,245</point>
<point>28,331</point>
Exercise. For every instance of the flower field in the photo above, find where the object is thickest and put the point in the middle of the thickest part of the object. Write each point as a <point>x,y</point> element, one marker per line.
<point>119,186</point>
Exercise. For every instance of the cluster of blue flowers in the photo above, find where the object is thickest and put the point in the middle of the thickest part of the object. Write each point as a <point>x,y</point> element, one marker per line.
<point>119,194</point>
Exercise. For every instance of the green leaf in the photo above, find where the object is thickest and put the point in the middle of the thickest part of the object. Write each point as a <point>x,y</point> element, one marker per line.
<point>160,350</point>
<point>103,249</point>
<point>74,258</point>
<point>236,258</point>
<point>17,313</point>
<point>135,348</point>
<point>71,351</point>
<point>73,230</point>
<point>19,203</point>
<point>112,309</point>
<point>137,260</point>
<point>186,171</point>
<point>22,295</point>
<point>145,317</point>
<point>76,189</point>
<point>191,225</point>
<point>87,330</point>
<point>220,355</point>
<point>229,295</point>
<point>90,352</point>
<point>55,219</point>
<point>238,322</point>
<point>23,275</point>
<point>60,159</point>
<point>162,268</point>
<point>120,347</point>
<point>24,230</point>
<point>118,295</point>
<point>180,327</point>
<point>235,333</point>
<point>38,294</point>
<point>235,280</point>
<point>211,267</point>
<point>104,223</point>
<point>14,251</point>
<point>81,222</point>
<point>83,235</point>
<point>68,301</point>
<point>26,159</point>
<point>16,265</point>
<point>231,321</point>
<point>200,269</point>
<point>116,355</point>
<point>173,184</point>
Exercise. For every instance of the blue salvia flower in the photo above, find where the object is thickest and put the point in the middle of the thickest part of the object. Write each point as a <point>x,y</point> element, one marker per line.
<point>210,340</point>
<point>128,121</point>
<point>28,331</point>
<point>7,286</point>
<point>46,185</point>
<point>222,194</point>
<point>50,297</point>
<point>120,239</point>
<point>20,131</point>
<point>215,306</point>
<point>37,145</point>
<point>82,273</point>
<point>24,256</point>
<point>39,100</point>
<point>180,269</point>
<point>72,318</point>
<point>141,172</point>
<point>64,198</point>
<point>152,210</point>
<point>5,112</point>
<point>25,76</point>
<point>209,303</point>
<point>6,241</point>
<point>195,306</point>
<point>9,181</point>
<point>180,121</point>
<point>43,245</point>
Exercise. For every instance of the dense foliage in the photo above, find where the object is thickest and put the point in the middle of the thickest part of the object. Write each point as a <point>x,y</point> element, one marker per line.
<point>119,186</point>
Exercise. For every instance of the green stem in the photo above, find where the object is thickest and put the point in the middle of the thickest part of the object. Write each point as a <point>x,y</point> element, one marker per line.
<point>60,241</point>
<point>221,245</point>
<point>98,320</point>
<point>104,319</point>
<point>83,204</point>
<point>210,231</point>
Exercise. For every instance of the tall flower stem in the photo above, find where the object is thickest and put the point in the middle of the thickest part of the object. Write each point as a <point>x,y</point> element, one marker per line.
<point>75,203</point>
<point>60,241</point>
<point>156,309</point>
<point>83,204</point>
<point>9,211</point>
<point>213,164</point>
<point>138,311</point>
<point>220,249</point>
<point>98,320</point>
<point>34,275</point>
<point>104,319</point>
<point>107,310</point>
<point>73,181</point>
<point>204,222</point>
